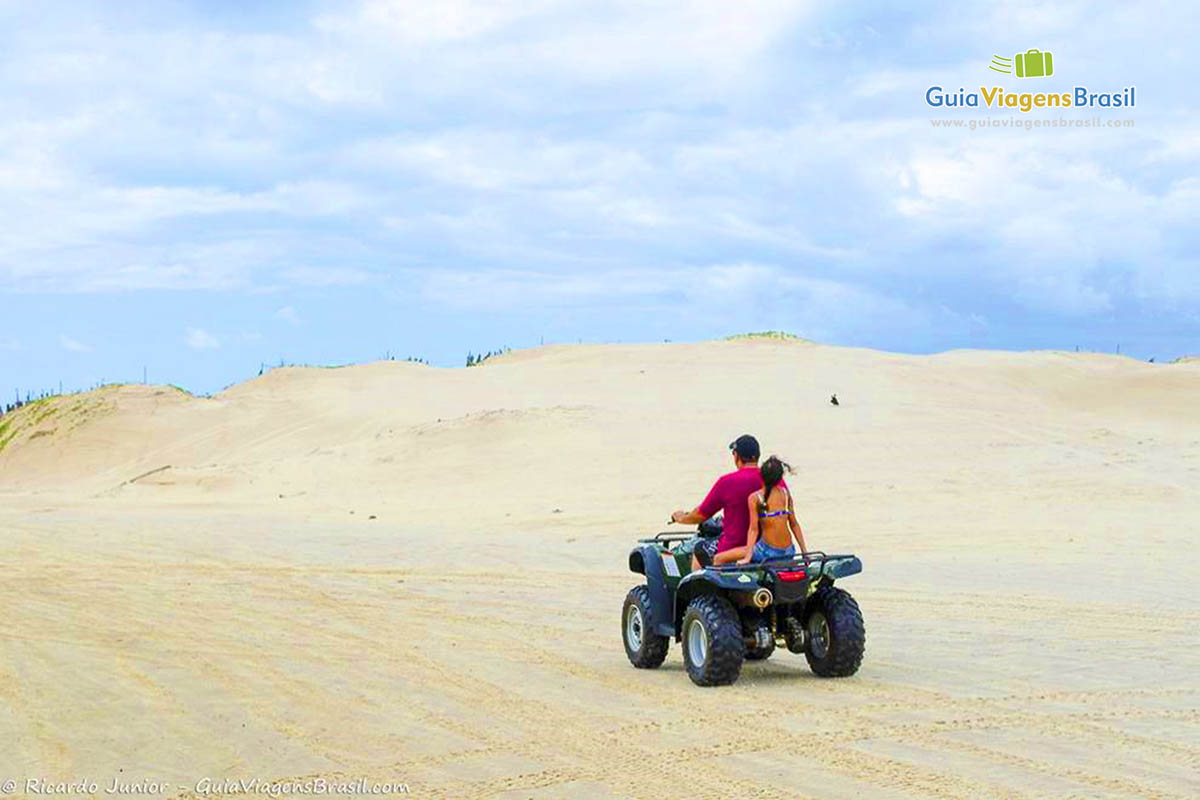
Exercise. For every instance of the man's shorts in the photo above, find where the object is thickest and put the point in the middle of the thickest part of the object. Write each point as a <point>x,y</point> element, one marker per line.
<point>708,545</point>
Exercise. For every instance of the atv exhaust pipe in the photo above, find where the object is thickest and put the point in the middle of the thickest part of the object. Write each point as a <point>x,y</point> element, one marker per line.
<point>762,598</point>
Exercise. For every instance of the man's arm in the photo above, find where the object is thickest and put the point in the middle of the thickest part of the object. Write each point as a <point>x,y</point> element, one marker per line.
<point>693,517</point>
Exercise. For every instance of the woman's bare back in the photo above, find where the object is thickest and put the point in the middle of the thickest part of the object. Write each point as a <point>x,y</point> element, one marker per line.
<point>773,520</point>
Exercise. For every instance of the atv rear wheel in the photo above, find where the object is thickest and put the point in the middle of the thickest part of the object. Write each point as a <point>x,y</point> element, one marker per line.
<point>836,636</point>
<point>712,641</point>
<point>645,648</point>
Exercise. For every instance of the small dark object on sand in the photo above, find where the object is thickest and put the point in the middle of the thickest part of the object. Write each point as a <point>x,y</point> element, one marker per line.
<point>833,400</point>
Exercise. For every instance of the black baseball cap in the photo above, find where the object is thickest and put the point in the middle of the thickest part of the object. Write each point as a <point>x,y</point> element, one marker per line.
<point>746,447</point>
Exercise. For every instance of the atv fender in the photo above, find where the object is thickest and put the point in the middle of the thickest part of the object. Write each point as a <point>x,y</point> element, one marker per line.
<point>729,581</point>
<point>708,580</point>
<point>648,561</point>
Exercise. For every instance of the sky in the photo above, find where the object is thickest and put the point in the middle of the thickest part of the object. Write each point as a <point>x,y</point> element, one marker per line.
<point>189,190</point>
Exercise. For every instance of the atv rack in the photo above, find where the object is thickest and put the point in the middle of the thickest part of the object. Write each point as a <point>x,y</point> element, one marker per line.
<point>793,561</point>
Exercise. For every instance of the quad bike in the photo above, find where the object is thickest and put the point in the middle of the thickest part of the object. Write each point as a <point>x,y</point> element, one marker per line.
<point>722,615</point>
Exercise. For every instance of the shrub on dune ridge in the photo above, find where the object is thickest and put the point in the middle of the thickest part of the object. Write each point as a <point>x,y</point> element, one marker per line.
<point>475,360</point>
<point>779,335</point>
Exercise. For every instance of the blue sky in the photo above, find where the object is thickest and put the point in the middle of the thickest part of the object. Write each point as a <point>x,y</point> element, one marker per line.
<point>198,188</point>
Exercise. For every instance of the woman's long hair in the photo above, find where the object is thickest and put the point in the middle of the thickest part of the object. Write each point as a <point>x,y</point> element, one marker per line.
<point>772,473</point>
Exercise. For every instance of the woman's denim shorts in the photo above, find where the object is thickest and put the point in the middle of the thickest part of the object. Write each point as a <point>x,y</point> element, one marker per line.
<point>764,551</point>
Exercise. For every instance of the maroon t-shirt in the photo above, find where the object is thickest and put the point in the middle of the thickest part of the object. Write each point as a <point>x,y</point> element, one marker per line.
<point>731,494</point>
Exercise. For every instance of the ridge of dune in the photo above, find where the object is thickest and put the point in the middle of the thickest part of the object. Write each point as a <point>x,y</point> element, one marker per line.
<point>566,417</point>
<point>293,376</point>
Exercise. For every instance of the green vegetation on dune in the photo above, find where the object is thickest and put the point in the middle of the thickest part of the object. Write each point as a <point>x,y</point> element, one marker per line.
<point>45,413</point>
<point>32,419</point>
<point>27,416</point>
<point>5,436</point>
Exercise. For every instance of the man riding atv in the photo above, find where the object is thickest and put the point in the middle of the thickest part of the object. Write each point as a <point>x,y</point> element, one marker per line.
<point>730,494</point>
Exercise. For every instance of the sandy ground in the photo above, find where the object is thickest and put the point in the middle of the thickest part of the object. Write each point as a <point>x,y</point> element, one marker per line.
<point>397,573</point>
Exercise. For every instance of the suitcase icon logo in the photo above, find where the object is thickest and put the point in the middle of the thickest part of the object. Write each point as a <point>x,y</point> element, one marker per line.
<point>1030,64</point>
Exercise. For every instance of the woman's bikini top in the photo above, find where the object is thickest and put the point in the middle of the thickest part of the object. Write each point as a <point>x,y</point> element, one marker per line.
<point>768,514</point>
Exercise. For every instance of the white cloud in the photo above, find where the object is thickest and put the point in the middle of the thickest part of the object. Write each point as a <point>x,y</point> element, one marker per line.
<point>326,276</point>
<point>200,339</point>
<point>420,23</point>
<point>288,315</point>
<point>75,346</point>
<point>763,295</point>
<point>1058,221</point>
<point>490,159</point>
<point>711,41</point>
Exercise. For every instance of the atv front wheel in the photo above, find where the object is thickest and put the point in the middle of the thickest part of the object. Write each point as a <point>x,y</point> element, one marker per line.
<point>645,648</point>
<point>836,635</point>
<point>712,641</point>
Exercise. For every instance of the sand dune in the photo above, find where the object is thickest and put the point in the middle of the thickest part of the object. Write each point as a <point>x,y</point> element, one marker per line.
<point>409,573</point>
